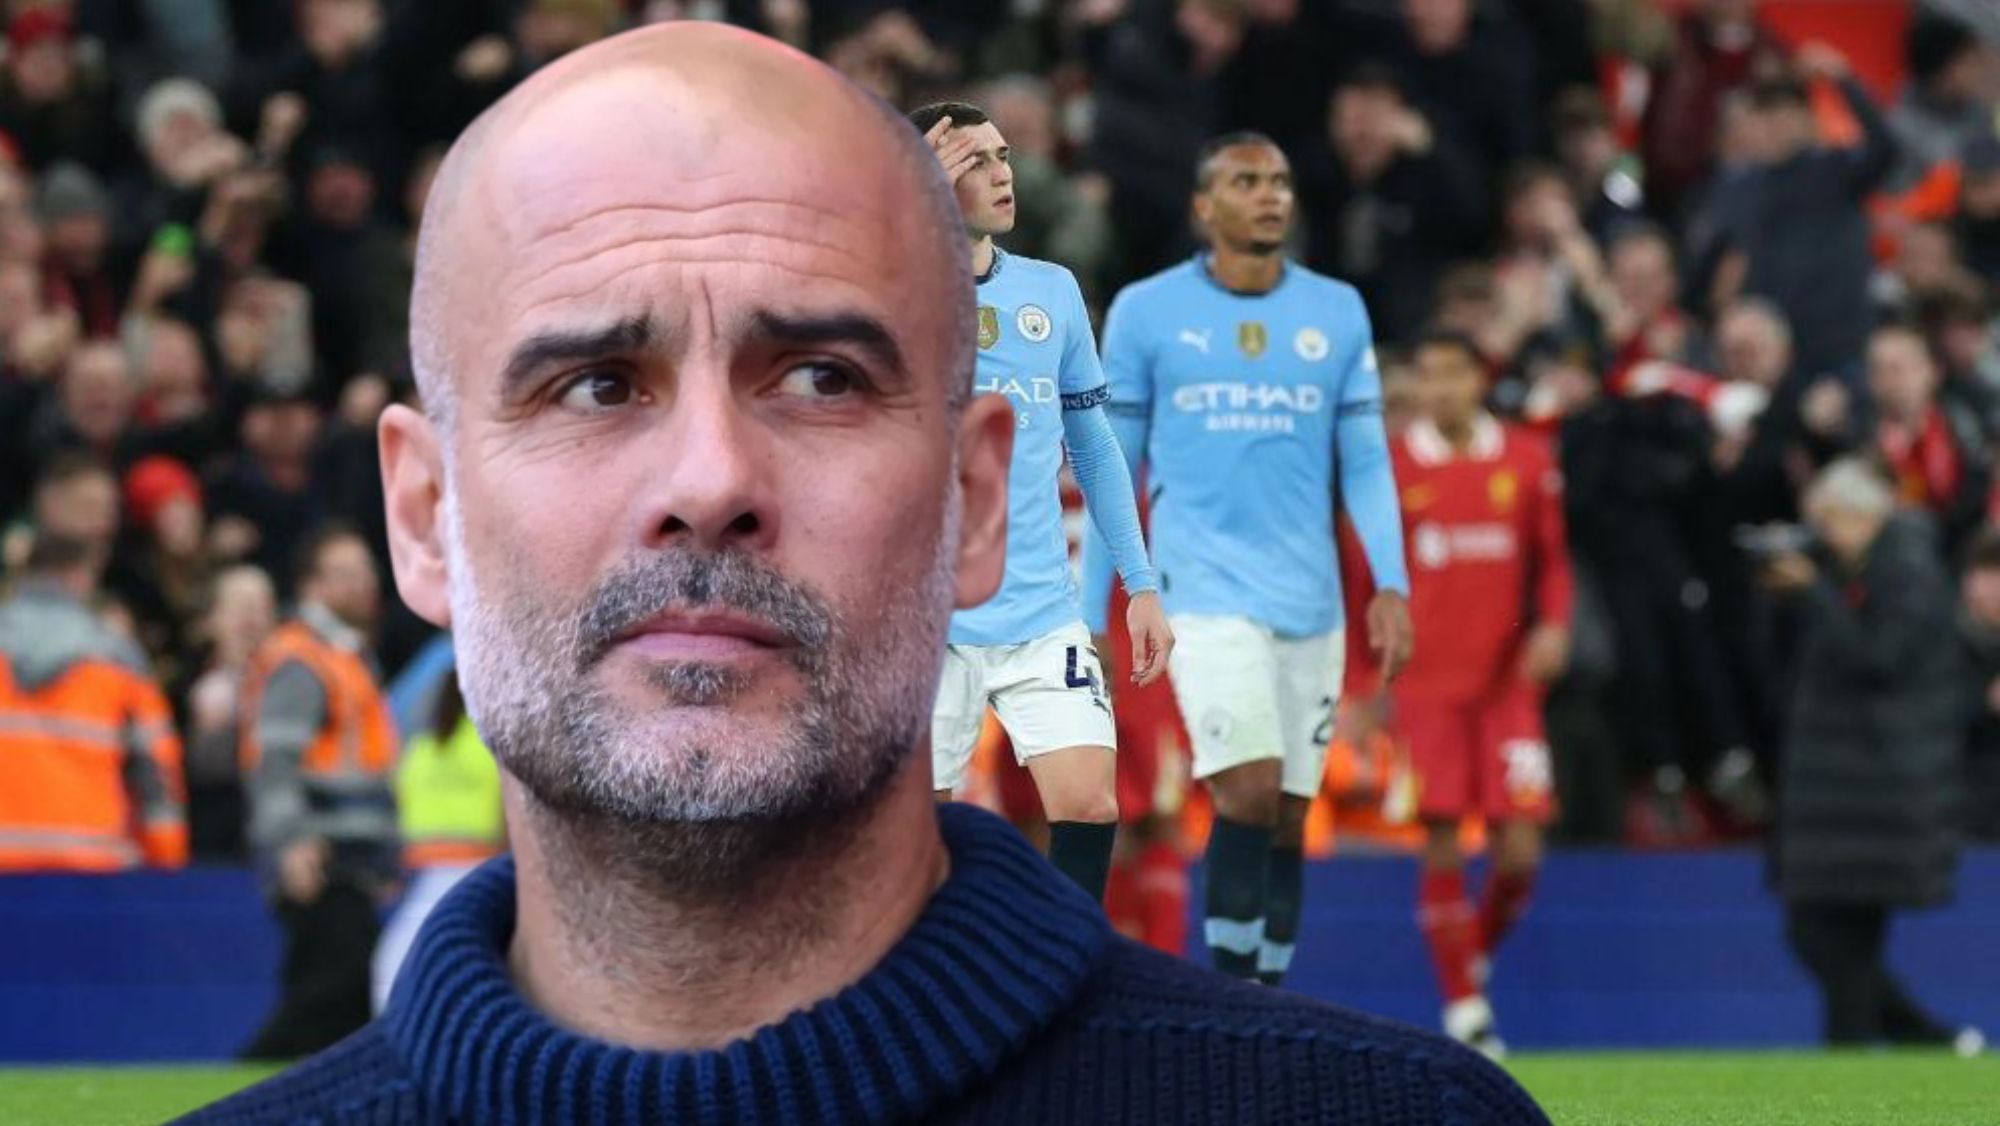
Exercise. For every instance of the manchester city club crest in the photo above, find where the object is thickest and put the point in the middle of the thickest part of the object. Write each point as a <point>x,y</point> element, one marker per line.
<point>1033,321</point>
<point>989,326</point>
<point>1310,344</point>
<point>1252,338</point>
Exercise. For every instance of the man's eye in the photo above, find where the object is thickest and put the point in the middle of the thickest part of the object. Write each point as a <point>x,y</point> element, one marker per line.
<point>598,391</point>
<point>819,381</point>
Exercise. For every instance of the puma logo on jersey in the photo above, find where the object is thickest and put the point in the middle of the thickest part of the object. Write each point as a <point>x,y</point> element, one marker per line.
<point>1196,339</point>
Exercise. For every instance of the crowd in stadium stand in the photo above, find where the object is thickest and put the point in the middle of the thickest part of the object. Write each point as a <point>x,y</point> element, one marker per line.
<point>1700,254</point>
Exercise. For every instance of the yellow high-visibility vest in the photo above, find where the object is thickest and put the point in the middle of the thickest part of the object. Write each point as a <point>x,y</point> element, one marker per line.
<point>448,798</point>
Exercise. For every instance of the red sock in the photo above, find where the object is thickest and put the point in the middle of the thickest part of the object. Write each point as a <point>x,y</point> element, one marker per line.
<point>1507,895</point>
<point>1161,888</point>
<point>1445,917</point>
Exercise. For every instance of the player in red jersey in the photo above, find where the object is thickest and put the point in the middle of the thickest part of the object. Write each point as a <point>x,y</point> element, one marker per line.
<point>1490,594</point>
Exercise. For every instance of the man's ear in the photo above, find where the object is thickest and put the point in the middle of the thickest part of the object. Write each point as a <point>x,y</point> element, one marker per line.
<point>985,449</point>
<point>413,495</point>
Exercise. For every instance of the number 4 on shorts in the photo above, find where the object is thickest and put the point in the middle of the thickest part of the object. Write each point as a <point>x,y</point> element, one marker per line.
<point>1070,676</point>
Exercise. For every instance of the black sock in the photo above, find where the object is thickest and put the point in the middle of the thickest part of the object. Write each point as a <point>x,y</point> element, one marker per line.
<point>1284,895</point>
<point>1238,856</point>
<point>1081,850</point>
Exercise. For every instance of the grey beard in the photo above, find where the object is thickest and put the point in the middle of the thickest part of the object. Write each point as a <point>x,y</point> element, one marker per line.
<point>696,820</point>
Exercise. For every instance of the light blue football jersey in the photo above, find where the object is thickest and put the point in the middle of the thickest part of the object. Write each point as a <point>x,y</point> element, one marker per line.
<point>1037,349</point>
<point>1244,409</point>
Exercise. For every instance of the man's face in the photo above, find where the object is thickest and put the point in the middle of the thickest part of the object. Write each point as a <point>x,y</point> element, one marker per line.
<point>1927,257</point>
<point>97,394</point>
<point>1981,589</point>
<point>85,507</point>
<point>340,194</point>
<point>46,71</point>
<point>1642,271</point>
<point>345,582</point>
<point>77,242</point>
<point>1359,123</point>
<point>176,373</point>
<point>1753,349</point>
<point>1247,203</point>
<point>1846,533</point>
<point>1450,385</point>
<point>1438,26</point>
<point>1901,375</point>
<point>700,507</point>
<point>1779,132</point>
<point>986,193</point>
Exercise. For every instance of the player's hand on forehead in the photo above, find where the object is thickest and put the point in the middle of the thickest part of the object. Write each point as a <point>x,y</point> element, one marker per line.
<point>957,150</point>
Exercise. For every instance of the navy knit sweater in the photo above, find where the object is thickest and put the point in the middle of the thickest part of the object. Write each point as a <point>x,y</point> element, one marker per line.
<point>1009,1001</point>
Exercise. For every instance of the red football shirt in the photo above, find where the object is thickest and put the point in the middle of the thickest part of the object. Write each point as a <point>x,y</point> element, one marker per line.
<point>1488,556</point>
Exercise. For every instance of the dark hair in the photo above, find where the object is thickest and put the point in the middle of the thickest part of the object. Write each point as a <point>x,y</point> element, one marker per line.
<point>69,465</point>
<point>1638,230</point>
<point>1578,109</point>
<point>1214,146</point>
<point>1525,174</point>
<point>1371,74</point>
<point>1451,338</point>
<point>1966,302</point>
<point>1466,281</point>
<point>305,559</point>
<point>1933,43</point>
<point>55,555</point>
<point>961,114</point>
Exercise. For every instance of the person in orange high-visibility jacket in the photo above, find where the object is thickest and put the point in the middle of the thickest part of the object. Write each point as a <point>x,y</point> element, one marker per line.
<point>319,750</point>
<point>90,766</point>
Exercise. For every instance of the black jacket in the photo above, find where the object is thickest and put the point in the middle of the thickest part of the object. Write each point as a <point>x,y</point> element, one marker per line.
<point>1869,809</point>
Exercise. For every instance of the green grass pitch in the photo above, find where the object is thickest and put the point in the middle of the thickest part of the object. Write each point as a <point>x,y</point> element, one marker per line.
<point>1580,1089</point>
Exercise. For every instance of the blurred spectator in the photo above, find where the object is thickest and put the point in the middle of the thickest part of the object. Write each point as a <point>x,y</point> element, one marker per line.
<point>1926,265</point>
<point>1644,320</point>
<point>91,780</point>
<point>1280,79</point>
<point>20,235</point>
<point>1869,819</point>
<point>75,215</point>
<point>1599,174</point>
<point>1057,217</point>
<point>267,498</point>
<point>180,133</point>
<point>1155,66</point>
<point>1796,221</point>
<point>1388,203</point>
<point>1931,445</point>
<point>336,81</point>
<point>1467,68</point>
<point>1954,86</point>
<point>1978,222</point>
<point>1634,468</point>
<point>1549,276</point>
<point>1958,323</point>
<point>1720,47</point>
<point>242,612</point>
<point>76,498</point>
<point>160,568</point>
<point>322,816</point>
<point>263,335</point>
<point>92,408</point>
<point>448,802</point>
<point>885,50</point>
<point>54,102</point>
<point>350,261</point>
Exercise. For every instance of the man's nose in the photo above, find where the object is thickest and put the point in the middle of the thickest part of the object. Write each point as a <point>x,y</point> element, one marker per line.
<point>711,489</point>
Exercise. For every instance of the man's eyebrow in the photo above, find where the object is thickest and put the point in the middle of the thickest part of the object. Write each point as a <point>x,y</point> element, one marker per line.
<point>537,353</point>
<point>858,330</point>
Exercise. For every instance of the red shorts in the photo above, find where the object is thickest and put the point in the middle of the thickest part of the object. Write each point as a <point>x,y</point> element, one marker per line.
<point>1486,756</point>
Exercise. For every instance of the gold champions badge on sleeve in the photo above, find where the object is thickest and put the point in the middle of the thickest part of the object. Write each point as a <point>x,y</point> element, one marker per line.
<point>1251,337</point>
<point>989,327</point>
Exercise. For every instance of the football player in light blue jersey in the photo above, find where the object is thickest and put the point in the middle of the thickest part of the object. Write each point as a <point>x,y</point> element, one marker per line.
<point>1026,652</point>
<point>1246,385</point>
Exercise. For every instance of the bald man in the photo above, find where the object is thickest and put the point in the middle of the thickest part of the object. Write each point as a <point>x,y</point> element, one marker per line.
<point>697,486</point>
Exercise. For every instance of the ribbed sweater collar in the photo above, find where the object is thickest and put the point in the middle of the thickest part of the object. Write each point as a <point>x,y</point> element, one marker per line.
<point>1002,948</point>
